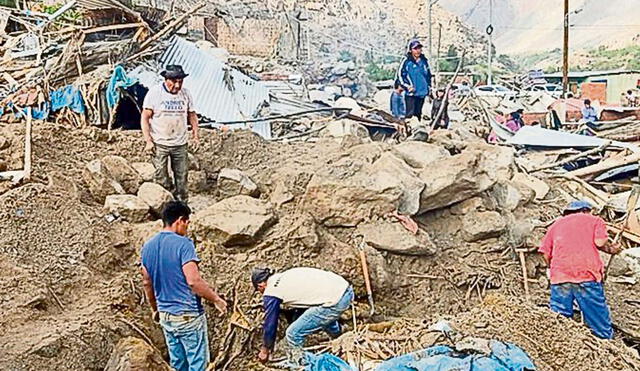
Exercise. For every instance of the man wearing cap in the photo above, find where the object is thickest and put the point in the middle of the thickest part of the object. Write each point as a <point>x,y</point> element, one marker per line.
<point>414,75</point>
<point>167,112</point>
<point>571,249</point>
<point>320,295</point>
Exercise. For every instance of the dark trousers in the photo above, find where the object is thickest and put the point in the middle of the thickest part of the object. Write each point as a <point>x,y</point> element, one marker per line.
<point>414,106</point>
<point>179,159</point>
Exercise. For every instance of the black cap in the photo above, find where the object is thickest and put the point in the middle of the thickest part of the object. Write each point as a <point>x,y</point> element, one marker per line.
<point>260,275</point>
<point>173,71</point>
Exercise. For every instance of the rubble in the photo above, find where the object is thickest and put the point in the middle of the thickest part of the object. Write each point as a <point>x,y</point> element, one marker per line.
<point>99,183</point>
<point>419,154</point>
<point>465,175</point>
<point>129,207</point>
<point>131,354</point>
<point>233,182</point>
<point>145,170</point>
<point>234,221</point>
<point>482,225</point>
<point>118,169</point>
<point>448,214</point>
<point>155,196</point>
<point>394,238</point>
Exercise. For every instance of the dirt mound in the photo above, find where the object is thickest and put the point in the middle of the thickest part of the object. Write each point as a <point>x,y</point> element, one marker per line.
<point>553,341</point>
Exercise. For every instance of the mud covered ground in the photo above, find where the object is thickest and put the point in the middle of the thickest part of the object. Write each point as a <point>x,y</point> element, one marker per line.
<point>69,281</point>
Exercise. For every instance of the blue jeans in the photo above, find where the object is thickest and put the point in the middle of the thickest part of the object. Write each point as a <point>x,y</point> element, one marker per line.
<point>187,341</point>
<point>318,318</point>
<point>592,303</point>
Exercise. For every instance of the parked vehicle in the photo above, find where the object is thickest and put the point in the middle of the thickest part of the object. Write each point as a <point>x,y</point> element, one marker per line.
<point>553,89</point>
<point>495,90</point>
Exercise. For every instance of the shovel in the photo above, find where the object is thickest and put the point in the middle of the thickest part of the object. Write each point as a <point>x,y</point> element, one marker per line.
<point>365,272</point>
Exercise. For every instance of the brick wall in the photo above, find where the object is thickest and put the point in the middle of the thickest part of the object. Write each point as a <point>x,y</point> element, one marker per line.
<point>255,37</point>
<point>595,91</point>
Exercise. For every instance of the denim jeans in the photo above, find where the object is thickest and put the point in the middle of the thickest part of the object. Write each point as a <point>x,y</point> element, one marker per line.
<point>592,303</point>
<point>179,165</point>
<point>187,341</point>
<point>318,318</point>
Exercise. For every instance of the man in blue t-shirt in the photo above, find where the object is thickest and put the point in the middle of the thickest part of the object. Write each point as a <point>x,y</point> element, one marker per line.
<point>174,289</point>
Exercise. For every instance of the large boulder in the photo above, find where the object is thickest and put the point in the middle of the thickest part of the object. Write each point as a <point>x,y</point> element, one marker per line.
<point>344,195</point>
<point>233,182</point>
<point>99,183</point>
<point>134,354</point>
<point>539,187</point>
<point>155,196</point>
<point>237,220</point>
<point>395,173</point>
<point>145,170</point>
<point>463,176</point>
<point>119,169</point>
<point>509,195</point>
<point>198,182</point>
<point>393,237</point>
<point>419,154</point>
<point>482,225</point>
<point>128,207</point>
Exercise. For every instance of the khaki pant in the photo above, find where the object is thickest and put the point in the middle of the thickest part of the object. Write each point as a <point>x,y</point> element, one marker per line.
<point>179,166</point>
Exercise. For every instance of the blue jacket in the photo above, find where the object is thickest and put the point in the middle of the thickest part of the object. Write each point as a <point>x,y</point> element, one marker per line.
<point>415,74</point>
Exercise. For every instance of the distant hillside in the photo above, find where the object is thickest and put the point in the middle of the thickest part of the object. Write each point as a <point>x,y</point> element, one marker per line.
<point>528,26</point>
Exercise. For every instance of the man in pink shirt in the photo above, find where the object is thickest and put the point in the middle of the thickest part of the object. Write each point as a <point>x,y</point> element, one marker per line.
<point>571,248</point>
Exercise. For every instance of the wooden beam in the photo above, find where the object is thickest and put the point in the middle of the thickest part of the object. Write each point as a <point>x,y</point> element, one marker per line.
<point>27,147</point>
<point>605,165</point>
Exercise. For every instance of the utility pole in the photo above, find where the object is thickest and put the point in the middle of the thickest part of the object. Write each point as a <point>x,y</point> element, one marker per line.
<point>430,4</point>
<point>565,51</point>
<point>490,43</point>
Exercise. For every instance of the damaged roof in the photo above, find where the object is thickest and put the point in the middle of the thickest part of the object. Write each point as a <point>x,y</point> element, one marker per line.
<point>220,92</point>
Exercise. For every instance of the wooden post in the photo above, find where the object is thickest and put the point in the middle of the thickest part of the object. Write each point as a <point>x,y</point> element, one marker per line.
<point>565,51</point>
<point>525,275</point>
<point>27,147</point>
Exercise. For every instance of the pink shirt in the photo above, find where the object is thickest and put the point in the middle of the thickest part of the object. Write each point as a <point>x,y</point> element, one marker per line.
<point>570,245</point>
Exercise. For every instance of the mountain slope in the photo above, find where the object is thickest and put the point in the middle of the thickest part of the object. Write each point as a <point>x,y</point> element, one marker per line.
<point>525,26</point>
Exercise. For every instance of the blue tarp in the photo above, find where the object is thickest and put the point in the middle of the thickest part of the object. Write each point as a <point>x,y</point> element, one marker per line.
<point>118,80</point>
<point>326,362</point>
<point>68,96</point>
<point>503,357</point>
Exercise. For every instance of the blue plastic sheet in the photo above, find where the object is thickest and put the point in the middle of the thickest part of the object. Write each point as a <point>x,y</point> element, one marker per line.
<point>68,96</point>
<point>503,357</point>
<point>325,362</point>
<point>118,80</point>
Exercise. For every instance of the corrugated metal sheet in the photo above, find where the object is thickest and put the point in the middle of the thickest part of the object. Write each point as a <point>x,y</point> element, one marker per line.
<point>220,93</point>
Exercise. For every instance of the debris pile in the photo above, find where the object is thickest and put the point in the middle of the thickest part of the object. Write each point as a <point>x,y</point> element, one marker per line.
<point>555,342</point>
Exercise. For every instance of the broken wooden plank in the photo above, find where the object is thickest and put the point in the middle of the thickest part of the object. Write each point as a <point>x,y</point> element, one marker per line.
<point>27,147</point>
<point>171,26</point>
<point>605,165</point>
<point>574,157</point>
<point>114,27</point>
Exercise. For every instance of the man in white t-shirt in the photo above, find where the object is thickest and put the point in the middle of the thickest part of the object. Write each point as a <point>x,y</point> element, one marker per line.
<point>167,114</point>
<point>321,295</point>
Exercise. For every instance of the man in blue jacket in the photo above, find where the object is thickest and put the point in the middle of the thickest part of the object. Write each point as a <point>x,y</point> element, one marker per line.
<point>415,77</point>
